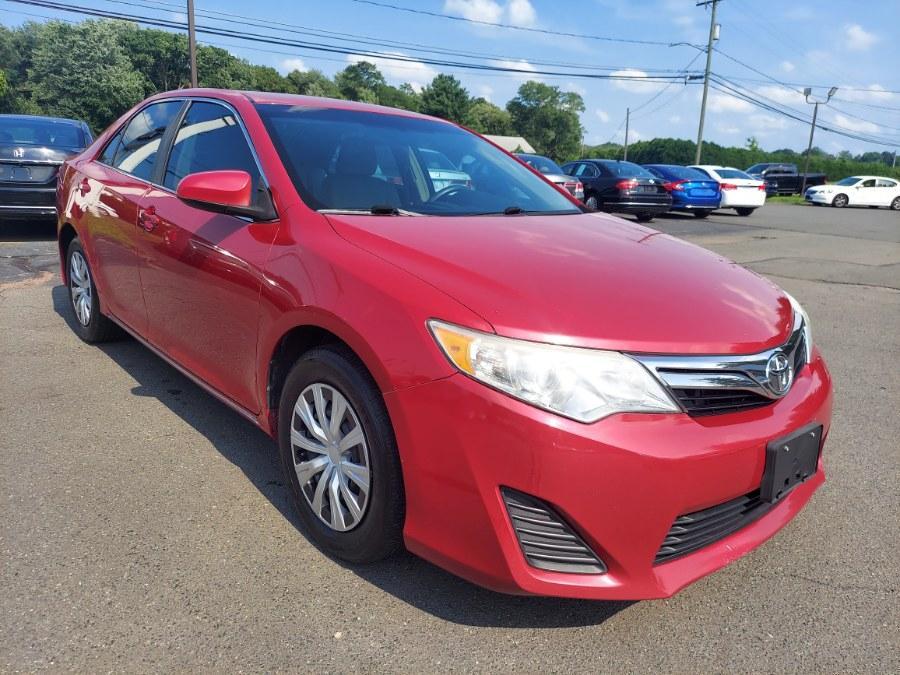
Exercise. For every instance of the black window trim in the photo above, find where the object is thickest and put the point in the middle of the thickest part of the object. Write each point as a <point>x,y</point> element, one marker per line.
<point>168,140</point>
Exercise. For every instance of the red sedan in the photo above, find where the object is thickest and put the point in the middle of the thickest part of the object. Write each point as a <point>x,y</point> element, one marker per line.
<point>539,399</point>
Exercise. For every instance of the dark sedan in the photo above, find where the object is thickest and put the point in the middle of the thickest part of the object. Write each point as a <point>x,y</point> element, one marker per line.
<point>620,187</point>
<point>31,151</point>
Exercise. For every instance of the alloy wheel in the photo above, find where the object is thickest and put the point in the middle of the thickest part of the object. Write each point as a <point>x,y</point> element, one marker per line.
<point>331,457</point>
<point>895,205</point>
<point>80,288</point>
<point>840,201</point>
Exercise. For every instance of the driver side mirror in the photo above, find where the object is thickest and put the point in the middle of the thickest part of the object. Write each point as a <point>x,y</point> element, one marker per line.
<point>225,191</point>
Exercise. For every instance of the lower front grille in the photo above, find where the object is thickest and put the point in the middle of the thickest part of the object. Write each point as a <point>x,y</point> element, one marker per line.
<point>718,401</point>
<point>547,541</point>
<point>701,528</point>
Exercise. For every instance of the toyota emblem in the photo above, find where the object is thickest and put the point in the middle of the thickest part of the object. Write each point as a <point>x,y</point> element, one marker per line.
<point>779,374</point>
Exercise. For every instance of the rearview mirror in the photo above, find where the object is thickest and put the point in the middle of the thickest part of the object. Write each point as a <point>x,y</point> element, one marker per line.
<point>225,191</point>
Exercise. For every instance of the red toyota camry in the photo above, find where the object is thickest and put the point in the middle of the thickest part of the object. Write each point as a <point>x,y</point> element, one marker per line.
<point>539,399</point>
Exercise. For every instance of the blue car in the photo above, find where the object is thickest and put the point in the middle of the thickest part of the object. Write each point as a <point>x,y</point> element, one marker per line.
<point>691,190</point>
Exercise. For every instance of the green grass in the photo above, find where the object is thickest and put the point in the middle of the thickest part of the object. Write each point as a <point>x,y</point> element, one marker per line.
<point>786,199</point>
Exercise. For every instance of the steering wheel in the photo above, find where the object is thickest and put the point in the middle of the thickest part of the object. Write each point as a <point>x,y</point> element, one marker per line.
<point>450,190</point>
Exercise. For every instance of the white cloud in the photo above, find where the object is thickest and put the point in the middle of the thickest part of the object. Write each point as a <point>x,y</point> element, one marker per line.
<point>520,64</point>
<point>875,93</point>
<point>855,125</point>
<point>485,91</point>
<point>416,73</point>
<point>603,115</point>
<point>858,38</point>
<point>788,67</point>
<point>475,10</point>
<point>288,65</point>
<point>521,13</point>
<point>765,124</point>
<point>180,17</point>
<point>726,129</point>
<point>634,85</point>
<point>781,94</point>
<point>577,88</point>
<point>674,119</point>
<point>718,103</point>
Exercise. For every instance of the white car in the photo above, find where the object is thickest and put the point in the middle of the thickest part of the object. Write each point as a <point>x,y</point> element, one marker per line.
<point>740,191</point>
<point>870,191</point>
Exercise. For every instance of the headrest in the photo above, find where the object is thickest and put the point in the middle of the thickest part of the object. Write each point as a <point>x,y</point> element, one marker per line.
<point>356,157</point>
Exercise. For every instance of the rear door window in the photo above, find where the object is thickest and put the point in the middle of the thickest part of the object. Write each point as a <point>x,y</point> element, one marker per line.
<point>209,138</point>
<point>137,146</point>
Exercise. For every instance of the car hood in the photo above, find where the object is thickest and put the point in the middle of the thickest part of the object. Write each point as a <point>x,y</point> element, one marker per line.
<point>590,280</point>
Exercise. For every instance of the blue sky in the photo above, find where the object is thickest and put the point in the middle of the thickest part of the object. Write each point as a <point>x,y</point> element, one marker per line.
<point>851,45</point>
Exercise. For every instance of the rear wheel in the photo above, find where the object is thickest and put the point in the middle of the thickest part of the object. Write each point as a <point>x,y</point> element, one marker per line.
<point>840,201</point>
<point>744,211</point>
<point>643,217</point>
<point>702,213</point>
<point>90,325</point>
<point>895,205</point>
<point>340,458</point>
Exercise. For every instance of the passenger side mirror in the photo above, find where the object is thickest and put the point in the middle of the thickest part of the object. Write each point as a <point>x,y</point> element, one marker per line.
<point>225,191</point>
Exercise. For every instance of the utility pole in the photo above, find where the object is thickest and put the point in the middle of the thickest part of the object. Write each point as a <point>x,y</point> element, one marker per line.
<point>713,36</point>
<point>192,42</point>
<point>812,130</point>
<point>894,163</point>
<point>627,116</point>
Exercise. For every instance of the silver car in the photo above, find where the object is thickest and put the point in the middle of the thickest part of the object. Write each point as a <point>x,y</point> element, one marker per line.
<point>554,173</point>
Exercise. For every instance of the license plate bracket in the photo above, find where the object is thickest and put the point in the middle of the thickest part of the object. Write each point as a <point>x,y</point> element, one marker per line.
<point>790,460</point>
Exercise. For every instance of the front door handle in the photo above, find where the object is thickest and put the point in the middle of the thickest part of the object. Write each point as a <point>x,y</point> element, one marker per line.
<point>147,219</point>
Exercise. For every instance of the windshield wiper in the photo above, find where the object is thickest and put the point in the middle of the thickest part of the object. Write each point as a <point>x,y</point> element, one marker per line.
<point>513,210</point>
<point>376,210</point>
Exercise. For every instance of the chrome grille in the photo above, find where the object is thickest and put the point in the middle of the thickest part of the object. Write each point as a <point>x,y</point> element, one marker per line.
<point>709,385</point>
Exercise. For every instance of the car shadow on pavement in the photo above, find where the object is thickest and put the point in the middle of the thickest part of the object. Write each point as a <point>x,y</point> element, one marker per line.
<point>404,576</point>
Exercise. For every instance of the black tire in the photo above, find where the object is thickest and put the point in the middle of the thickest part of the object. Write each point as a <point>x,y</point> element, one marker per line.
<point>895,205</point>
<point>98,328</point>
<point>873,207</point>
<point>643,217</point>
<point>379,532</point>
<point>702,213</point>
<point>840,201</point>
<point>592,203</point>
<point>744,211</point>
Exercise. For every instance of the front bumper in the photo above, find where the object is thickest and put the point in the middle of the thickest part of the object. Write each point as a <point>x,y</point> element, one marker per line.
<point>620,483</point>
<point>819,197</point>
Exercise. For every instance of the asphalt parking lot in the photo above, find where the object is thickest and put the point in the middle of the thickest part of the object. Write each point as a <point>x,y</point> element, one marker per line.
<point>144,526</point>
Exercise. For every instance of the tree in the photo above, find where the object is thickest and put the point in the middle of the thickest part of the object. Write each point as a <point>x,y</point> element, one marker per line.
<point>398,97</point>
<point>360,82</point>
<point>160,56</point>
<point>219,69</point>
<point>82,71</point>
<point>445,97</point>
<point>265,78</point>
<point>548,119</point>
<point>312,83</point>
<point>486,118</point>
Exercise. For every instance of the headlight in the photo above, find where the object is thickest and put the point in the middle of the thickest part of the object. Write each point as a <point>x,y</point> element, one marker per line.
<point>583,384</point>
<point>807,326</point>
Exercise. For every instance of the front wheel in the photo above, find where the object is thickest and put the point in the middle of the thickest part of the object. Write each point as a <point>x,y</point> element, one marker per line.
<point>744,211</point>
<point>643,217</point>
<point>340,458</point>
<point>592,203</point>
<point>840,201</point>
<point>90,325</point>
<point>895,205</point>
<point>702,213</point>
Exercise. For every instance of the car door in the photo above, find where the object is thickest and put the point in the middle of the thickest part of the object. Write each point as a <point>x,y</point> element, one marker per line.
<point>203,270</point>
<point>110,192</point>
<point>865,193</point>
<point>887,191</point>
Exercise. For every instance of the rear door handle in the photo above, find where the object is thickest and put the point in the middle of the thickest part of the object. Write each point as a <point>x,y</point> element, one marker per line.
<point>147,219</point>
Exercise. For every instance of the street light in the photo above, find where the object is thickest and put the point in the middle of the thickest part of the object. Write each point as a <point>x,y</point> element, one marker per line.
<point>807,93</point>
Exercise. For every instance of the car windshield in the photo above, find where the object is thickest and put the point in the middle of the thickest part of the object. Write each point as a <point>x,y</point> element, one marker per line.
<point>365,162</point>
<point>40,132</point>
<point>680,173</point>
<point>542,164</point>
<point>732,173</point>
<point>627,170</point>
<point>758,168</point>
<point>852,180</point>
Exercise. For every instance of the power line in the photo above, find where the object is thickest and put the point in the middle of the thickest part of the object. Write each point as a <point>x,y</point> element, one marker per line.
<point>330,48</point>
<point>529,29</point>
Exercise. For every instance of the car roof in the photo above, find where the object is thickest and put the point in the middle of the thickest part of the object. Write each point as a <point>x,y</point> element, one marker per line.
<point>44,118</point>
<point>265,97</point>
